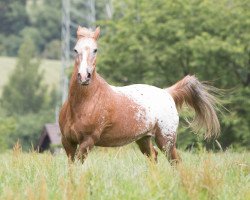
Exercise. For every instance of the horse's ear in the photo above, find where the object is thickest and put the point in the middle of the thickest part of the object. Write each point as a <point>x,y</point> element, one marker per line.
<point>97,33</point>
<point>78,31</point>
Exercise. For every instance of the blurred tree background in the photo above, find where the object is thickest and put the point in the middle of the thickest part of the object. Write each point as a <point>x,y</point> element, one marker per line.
<point>154,42</point>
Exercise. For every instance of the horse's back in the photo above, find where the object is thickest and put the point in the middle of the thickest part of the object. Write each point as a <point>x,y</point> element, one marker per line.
<point>158,103</point>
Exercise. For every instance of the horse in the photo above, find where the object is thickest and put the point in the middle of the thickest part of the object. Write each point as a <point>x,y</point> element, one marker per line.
<point>99,114</point>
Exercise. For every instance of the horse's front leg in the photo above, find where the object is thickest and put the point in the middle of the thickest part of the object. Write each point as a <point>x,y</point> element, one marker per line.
<point>85,146</point>
<point>70,148</point>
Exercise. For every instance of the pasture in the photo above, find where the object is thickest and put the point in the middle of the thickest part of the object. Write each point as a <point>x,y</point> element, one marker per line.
<point>124,173</point>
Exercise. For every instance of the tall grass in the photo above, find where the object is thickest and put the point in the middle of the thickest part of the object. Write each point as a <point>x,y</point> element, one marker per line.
<point>124,173</point>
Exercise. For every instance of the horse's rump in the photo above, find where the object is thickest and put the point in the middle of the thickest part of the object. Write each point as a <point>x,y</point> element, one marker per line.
<point>155,107</point>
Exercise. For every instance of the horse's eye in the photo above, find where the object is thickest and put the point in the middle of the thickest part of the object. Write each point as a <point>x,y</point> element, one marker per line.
<point>95,50</point>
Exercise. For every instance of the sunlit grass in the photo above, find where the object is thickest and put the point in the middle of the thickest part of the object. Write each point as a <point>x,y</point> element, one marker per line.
<point>123,173</point>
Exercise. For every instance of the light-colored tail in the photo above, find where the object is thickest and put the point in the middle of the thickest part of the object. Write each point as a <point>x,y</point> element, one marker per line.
<point>200,97</point>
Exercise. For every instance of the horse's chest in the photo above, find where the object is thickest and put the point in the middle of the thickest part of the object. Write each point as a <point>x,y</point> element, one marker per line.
<point>82,126</point>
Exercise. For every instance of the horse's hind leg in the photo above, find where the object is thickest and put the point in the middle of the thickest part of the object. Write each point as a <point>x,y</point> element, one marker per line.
<point>166,143</point>
<point>147,148</point>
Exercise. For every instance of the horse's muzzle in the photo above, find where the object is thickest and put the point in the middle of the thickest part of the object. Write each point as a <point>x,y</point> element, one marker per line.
<point>83,82</point>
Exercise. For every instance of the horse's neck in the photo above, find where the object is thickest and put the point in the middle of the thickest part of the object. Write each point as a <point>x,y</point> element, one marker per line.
<point>79,94</point>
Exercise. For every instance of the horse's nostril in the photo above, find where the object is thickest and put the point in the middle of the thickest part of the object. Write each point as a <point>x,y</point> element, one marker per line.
<point>89,75</point>
<point>79,75</point>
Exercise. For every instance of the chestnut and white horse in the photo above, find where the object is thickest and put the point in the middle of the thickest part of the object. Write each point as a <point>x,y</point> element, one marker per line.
<point>98,114</point>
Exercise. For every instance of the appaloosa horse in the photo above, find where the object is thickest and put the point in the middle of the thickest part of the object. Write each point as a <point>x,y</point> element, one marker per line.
<point>98,114</point>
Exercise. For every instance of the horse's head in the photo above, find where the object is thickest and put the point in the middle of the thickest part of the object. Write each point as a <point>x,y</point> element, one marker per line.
<point>86,49</point>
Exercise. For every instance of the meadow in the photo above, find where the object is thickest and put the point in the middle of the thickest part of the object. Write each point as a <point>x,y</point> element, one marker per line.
<point>124,173</point>
<point>51,69</point>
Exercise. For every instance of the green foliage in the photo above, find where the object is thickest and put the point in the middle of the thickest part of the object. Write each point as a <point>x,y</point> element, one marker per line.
<point>123,174</point>
<point>24,92</point>
<point>47,20</point>
<point>52,50</point>
<point>159,42</point>
<point>33,34</point>
<point>13,16</point>
<point>7,47</point>
<point>175,37</point>
<point>25,101</point>
<point>37,20</point>
<point>28,129</point>
<point>237,122</point>
<point>7,126</point>
<point>50,68</point>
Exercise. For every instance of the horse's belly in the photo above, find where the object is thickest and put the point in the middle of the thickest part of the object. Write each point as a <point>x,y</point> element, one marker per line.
<point>119,138</point>
<point>114,142</point>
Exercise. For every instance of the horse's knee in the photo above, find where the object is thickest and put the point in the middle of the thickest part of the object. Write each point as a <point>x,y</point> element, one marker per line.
<point>84,148</point>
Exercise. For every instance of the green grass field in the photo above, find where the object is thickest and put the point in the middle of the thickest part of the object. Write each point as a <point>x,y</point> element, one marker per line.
<point>51,70</point>
<point>124,173</point>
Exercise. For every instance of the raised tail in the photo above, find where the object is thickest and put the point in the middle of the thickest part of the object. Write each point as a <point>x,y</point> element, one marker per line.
<point>200,97</point>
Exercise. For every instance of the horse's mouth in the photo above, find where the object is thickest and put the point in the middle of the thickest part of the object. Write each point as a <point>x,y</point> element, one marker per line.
<point>84,83</point>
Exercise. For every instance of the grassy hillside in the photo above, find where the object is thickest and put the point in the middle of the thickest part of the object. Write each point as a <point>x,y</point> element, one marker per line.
<point>51,70</point>
<point>124,173</point>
